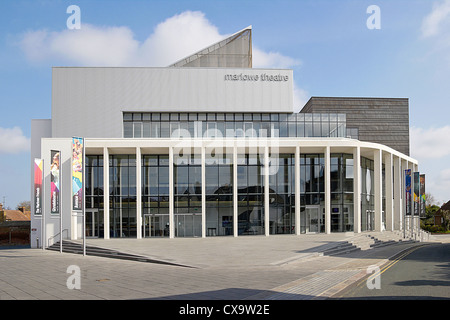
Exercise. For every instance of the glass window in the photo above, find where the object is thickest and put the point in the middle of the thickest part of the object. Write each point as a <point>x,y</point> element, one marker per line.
<point>137,130</point>
<point>229,116</point>
<point>308,129</point>
<point>155,130</point>
<point>128,129</point>
<point>292,129</point>
<point>165,130</point>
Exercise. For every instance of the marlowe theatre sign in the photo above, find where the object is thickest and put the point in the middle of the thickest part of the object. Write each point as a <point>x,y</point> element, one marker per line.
<point>256,77</point>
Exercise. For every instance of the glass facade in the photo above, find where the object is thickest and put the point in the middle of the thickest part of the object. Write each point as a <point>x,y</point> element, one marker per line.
<point>122,190</point>
<point>94,196</point>
<point>250,194</point>
<point>187,186</point>
<point>155,195</point>
<point>282,196</point>
<point>312,193</point>
<point>233,125</point>
<point>367,194</point>
<point>341,176</point>
<point>219,206</point>
<point>219,193</point>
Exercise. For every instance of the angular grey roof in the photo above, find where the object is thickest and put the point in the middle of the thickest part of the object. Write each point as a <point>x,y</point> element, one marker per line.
<point>232,52</point>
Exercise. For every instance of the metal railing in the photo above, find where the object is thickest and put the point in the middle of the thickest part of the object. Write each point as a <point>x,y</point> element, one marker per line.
<point>54,236</point>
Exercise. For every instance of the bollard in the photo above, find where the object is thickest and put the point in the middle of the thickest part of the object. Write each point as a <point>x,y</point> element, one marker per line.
<point>37,243</point>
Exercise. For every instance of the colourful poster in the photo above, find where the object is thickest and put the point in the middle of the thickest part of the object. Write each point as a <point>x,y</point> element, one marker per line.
<point>77,173</point>
<point>408,191</point>
<point>55,181</point>
<point>38,166</point>
<point>422,196</point>
<point>416,193</point>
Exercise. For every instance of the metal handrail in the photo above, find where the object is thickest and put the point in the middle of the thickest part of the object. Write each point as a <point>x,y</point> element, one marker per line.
<point>54,236</point>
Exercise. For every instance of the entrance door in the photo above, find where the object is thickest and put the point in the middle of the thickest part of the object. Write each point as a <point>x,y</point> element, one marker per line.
<point>156,225</point>
<point>188,225</point>
<point>92,225</point>
<point>312,219</point>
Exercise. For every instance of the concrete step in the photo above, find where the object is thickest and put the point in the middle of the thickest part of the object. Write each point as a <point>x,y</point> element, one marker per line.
<point>341,248</point>
<point>77,248</point>
<point>367,241</point>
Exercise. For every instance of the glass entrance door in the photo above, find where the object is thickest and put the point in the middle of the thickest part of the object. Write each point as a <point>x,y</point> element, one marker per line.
<point>312,219</point>
<point>92,225</point>
<point>188,225</point>
<point>156,225</point>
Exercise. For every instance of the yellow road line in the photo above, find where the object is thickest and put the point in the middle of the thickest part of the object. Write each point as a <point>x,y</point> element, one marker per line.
<point>385,268</point>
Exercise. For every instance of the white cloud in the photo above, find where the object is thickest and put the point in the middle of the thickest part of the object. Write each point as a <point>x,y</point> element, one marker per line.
<point>173,39</point>
<point>434,23</point>
<point>432,143</point>
<point>431,147</point>
<point>178,37</point>
<point>13,141</point>
<point>272,59</point>
<point>90,46</point>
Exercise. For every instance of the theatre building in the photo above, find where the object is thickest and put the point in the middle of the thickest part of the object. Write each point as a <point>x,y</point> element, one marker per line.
<point>210,146</point>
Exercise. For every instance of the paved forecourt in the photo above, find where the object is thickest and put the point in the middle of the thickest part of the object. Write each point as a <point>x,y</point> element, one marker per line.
<point>275,267</point>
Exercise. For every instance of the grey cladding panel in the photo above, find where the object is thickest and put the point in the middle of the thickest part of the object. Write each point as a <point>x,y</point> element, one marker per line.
<point>380,120</point>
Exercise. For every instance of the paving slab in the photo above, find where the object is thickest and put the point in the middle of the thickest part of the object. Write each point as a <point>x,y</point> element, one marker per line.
<point>257,268</point>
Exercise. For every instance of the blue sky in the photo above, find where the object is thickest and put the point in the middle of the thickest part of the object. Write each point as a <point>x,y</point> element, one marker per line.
<point>326,43</point>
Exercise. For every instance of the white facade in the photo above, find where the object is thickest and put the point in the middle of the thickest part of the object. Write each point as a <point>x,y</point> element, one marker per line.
<point>90,103</point>
<point>105,93</point>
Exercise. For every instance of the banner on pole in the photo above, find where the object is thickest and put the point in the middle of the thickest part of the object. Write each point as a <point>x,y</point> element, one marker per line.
<point>38,166</point>
<point>55,186</point>
<point>77,173</point>
<point>408,191</point>
<point>422,196</point>
<point>416,193</point>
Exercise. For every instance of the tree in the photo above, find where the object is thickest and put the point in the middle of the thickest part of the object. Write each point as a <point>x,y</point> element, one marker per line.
<point>430,200</point>
<point>26,204</point>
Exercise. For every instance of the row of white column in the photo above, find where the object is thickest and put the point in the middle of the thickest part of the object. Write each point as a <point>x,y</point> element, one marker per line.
<point>394,168</point>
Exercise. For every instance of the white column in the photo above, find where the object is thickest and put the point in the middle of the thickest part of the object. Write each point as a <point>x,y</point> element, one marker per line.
<point>106,226</point>
<point>378,189</point>
<point>327,192</point>
<point>389,192</point>
<point>266,191</point>
<point>297,190</point>
<point>203,159</point>
<point>235,193</point>
<point>357,190</point>
<point>138,194</point>
<point>403,167</point>
<point>397,205</point>
<point>171,217</point>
